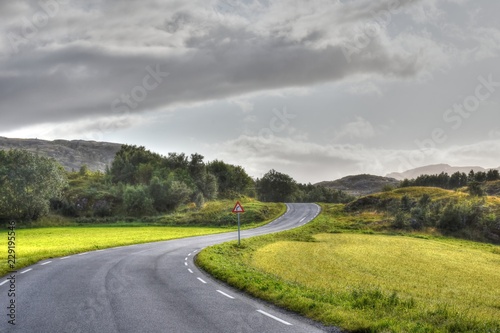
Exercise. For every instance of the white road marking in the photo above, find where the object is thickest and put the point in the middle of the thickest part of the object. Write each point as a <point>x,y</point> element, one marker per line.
<point>302,219</point>
<point>46,263</point>
<point>185,264</point>
<point>1,284</point>
<point>275,318</point>
<point>65,258</point>
<point>202,280</point>
<point>189,254</point>
<point>26,271</point>
<point>82,254</point>
<point>223,293</point>
<point>99,250</point>
<point>190,271</point>
<point>186,259</point>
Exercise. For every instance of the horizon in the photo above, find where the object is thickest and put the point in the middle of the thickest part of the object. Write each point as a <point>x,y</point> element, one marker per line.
<point>388,175</point>
<point>316,90</point>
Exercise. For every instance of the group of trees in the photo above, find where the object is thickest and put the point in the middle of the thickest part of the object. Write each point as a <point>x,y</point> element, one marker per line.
<point>279,187</point>
<point>456,180</point>
<point>140,182</point>
<point>137,183</point>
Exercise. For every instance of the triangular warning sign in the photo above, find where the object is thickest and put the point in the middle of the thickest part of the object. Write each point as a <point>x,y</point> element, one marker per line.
<point>238,208</point>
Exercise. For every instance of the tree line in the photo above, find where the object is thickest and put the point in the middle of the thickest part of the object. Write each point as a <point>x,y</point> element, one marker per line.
<point>137,183</point>
<point>456,180</point>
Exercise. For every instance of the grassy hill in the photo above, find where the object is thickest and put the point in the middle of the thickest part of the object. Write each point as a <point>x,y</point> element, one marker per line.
<point>435,210</point>
<point>354,268</point>
<point>360,184</point>
<point>70,154</point>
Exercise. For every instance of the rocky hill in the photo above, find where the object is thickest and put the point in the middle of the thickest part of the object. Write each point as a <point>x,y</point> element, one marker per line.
<point>359,185</point>
<point>433,170</point>
<point>70,154</point>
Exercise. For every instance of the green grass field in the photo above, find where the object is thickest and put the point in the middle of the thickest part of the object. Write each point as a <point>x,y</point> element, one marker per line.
<point>349,271</point>
<point>429,272</point>
<point>33,245</point>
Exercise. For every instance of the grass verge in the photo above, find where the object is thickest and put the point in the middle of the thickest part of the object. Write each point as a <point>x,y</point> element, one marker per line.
<point>343,271</point>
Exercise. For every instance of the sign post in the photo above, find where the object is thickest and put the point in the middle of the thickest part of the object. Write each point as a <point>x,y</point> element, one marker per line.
<point>238,208</point>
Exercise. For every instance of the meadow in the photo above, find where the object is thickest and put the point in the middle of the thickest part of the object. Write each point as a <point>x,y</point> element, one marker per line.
<point>33,245</point>
<point>349,270</point>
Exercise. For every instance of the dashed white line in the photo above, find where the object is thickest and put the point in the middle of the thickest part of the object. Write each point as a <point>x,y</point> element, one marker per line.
<point>99,250</point>
<point>273,317</point>
<point>26,271</point>
<point>190,271</point>
<point>82,254</point>
<point>1,284</point>
<point>65,258</point>
<point>223,293</point>
<point>186,259</point>
<point>202,280</point>
<point>189,254</point>
<point>185,264</point>
<point>302,219</point>
<point>45,263</point>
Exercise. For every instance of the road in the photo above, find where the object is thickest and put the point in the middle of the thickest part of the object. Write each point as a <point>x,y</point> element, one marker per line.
<point>151,287</point>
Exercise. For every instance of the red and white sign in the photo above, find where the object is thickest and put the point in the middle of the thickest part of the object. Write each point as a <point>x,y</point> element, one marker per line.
<point>238,208</point>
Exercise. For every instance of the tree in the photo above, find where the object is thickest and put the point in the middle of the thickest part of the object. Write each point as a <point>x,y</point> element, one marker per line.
<point>475,189</point>
<point>168,195</point>
<point>27,183</point>
<point>276,187</point>
<point>137,200</point>
<point>232,180</point>
<point>492,174</point>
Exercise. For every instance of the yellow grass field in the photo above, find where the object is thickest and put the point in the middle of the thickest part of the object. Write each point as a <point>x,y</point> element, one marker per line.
<point>33,245</point>
<point>432,272</point>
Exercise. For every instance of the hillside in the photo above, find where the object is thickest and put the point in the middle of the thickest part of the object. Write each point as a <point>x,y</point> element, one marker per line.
<point>433,170</point>
<point>70,154</point>
<point>360,184</point>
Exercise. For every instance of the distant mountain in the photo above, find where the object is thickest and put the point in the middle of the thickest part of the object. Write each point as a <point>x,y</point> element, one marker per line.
<point>433,170</point>
<point>70,154</point>
<point>359,185</point>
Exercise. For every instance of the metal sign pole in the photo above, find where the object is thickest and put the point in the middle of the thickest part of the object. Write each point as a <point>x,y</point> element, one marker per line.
<point>238,229</point>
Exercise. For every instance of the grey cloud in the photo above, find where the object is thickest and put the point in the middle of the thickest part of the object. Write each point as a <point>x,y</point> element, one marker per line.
<point>69,80</point>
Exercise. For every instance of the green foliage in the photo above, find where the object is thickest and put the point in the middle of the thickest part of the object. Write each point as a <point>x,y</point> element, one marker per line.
<point>312,193</point>
<point>475,189</point>
<point>232,180</point>
<point>280,187</point>
<point>27,183</point>
<point>276,187</point>
<point>456,180</point>
<point>137,200</point>
<point>449,212</point>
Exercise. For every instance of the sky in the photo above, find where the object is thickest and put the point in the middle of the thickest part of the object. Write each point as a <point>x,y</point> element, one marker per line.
<point>317,89</point>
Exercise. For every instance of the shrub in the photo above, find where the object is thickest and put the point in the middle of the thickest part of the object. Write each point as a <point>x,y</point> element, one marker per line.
<point>137,200</point>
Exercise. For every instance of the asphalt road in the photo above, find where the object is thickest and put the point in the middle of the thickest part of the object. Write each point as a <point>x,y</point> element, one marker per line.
<point>151,287</point>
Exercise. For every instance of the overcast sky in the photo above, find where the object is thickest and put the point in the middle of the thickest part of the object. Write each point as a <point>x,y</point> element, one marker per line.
<point>318,89</point>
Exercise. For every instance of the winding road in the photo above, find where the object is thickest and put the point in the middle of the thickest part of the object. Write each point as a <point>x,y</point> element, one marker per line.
<point>152,287</point>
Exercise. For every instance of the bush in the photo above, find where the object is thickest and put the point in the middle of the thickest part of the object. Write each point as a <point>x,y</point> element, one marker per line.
<point>137,200</point>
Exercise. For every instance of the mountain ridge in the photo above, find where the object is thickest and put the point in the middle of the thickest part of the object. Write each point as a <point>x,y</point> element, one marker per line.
<point>72,155</point>
<point>359,185</point>
<point>434,169</point>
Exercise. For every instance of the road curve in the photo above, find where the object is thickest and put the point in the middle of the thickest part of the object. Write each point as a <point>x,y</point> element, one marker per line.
<point>152,287</point>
